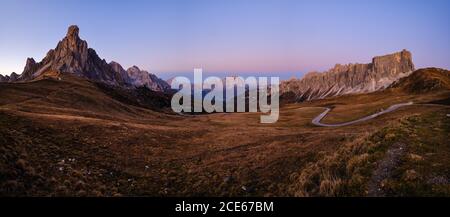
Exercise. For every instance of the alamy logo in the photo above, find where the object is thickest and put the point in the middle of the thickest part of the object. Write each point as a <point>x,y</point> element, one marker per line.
<point>232,95</point>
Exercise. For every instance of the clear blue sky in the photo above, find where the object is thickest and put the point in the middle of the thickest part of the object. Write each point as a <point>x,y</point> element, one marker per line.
<point>229,35</point>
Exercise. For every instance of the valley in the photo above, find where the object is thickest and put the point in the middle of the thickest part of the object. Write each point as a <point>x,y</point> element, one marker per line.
<point>68,137</point>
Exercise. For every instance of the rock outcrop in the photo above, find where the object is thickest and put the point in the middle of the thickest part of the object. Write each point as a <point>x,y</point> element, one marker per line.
<point>117,68</point>
<point>140,77</point>
<point>350,78</point>
<point>13,77</point>
<point>72,55</point>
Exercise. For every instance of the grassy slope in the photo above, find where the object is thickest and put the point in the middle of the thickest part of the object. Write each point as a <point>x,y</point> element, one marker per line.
<point>422,169</point>
<point>128,150</point>
<point>423,86</point>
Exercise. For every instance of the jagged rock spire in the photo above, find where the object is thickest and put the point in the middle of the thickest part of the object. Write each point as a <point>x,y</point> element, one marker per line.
<point>73,31</point>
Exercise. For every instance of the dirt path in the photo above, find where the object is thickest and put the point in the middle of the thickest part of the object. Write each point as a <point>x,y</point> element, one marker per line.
<point>316,120</point>
<point>384,169</point>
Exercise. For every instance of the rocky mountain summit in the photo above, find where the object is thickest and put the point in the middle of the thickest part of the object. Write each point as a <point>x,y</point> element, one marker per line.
<point>140,77</point>
<point>72,55</point>
<point>350,78</point>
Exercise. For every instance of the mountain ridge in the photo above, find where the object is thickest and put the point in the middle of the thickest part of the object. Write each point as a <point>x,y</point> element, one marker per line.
<point>72,55</point>
<point>350,78</point>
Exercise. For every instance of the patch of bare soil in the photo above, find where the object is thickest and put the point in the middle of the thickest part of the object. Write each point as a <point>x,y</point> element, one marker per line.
<point>384,169</point>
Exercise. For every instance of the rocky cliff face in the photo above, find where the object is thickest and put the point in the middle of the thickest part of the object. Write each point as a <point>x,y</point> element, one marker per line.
<point>117,68</point>
<point>72,55</point>
<point>351,78</point>
<point>140,77</point>
<point>3,78</point>
<point>12,78</point>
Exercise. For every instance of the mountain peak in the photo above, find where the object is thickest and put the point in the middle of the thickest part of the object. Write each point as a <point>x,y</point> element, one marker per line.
<point>72,32</point>
<point>72,55</point>
<point>30,60</point>
<point>135,68</point>
<point>30,63</point>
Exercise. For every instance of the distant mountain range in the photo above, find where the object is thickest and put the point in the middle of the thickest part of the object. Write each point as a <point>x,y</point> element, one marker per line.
<point>73,56</point>
<point>350,78</point>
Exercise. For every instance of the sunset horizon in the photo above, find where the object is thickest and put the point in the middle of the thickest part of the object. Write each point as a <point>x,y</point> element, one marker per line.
<point>293,37</point>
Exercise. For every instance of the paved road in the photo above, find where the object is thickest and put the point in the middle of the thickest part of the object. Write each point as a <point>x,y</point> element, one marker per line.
<point>316,120</point>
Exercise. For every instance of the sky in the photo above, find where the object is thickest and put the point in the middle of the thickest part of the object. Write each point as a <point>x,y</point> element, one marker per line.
<point>229,36</point>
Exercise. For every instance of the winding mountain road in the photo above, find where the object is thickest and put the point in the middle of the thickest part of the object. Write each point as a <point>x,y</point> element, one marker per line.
<point>316,120</point>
